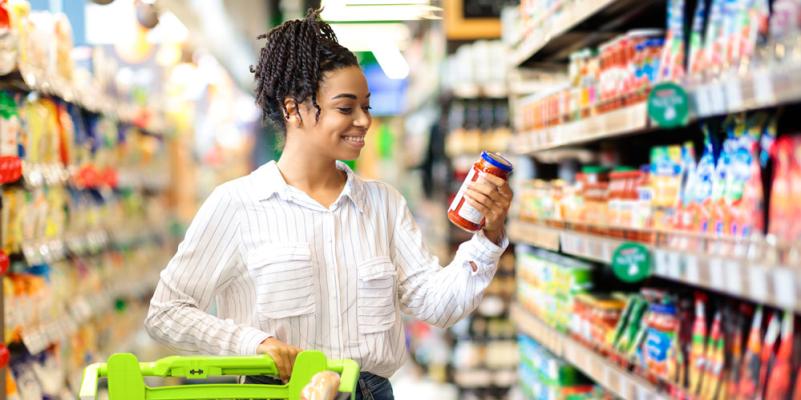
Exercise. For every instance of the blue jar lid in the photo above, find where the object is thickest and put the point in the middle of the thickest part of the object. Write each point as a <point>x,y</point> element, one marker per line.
<point>497,161</point>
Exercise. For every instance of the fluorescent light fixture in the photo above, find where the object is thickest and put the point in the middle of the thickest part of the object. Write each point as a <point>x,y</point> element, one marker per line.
<point>364,37</point>
<point>384,10</point>
<point>391,61</point>
<point>386,2</point>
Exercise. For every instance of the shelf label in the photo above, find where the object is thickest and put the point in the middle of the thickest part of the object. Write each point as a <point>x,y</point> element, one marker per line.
<point>716,97</point>
<point>668,105</point>
<point>702,100</point>
<point>757,283</point>
<point>763,87</point>
<point>734,278</point>
<point>661,263</point>
<point>716,273</point>
<point>674,265</point>
<point>631,262</point>
<point>691,265</point>
<point>784,286</point>
<point>734,94</point>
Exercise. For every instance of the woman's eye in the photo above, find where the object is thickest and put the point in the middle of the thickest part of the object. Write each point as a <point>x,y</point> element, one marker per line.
<point>345,110</point>
<point>367,109</point>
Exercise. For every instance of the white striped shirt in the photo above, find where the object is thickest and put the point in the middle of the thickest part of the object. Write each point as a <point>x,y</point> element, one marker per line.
<point>278,264</point>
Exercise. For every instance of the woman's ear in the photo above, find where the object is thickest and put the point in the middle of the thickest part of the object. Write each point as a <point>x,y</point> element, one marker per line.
<point>292,113</point>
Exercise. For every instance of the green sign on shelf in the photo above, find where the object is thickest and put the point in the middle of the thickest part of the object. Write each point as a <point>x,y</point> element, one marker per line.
<point>668,105</point>
<point>631,262</point>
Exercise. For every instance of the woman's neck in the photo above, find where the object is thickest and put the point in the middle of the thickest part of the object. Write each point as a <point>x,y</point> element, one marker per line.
<point>317,177</point>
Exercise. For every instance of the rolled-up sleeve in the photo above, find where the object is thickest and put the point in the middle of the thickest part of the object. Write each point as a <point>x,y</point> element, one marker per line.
<point>208,258</point>
<point>431,293</point>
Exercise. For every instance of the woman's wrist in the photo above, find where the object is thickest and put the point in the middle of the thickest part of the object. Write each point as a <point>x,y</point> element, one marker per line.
<point>494,235</point>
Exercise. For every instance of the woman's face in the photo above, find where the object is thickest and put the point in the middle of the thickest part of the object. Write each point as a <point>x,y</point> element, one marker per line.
<point>344,101</point>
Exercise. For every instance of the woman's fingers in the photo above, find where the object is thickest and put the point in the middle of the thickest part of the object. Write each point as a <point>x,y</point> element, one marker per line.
<point>293,354</point>
<point>282,354</point>
<point>494,180</point>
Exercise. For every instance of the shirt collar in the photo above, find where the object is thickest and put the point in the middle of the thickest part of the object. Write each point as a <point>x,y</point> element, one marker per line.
<point>270,182</point>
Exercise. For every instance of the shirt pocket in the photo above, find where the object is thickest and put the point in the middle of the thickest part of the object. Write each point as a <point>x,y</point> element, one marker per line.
<point>376,295</point>
<point>284,280</point>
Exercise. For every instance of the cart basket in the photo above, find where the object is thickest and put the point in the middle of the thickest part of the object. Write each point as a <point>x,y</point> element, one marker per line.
<point>126,377</point>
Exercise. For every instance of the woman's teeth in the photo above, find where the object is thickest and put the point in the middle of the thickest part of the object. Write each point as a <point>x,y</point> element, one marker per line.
<point>354,139</point>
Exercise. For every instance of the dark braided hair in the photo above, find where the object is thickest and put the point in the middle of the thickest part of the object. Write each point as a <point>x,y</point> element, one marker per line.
<point>292,63</point>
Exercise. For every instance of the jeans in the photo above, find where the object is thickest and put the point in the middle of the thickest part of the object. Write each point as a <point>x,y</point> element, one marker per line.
<point>370,387</point>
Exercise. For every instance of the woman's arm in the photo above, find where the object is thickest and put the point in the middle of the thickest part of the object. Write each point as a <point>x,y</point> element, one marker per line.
<point>441,296</point>
<point>206,260</point>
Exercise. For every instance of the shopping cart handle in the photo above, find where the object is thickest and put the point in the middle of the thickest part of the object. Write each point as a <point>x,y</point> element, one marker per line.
<point>126,371</point>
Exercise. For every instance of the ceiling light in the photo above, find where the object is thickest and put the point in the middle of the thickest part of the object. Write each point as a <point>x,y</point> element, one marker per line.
<point>365,10</point>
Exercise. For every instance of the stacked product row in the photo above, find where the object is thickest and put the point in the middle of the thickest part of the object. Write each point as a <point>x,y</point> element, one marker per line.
<point>692,344</point>
<point>546,376</point>
<point>720,193</point>
<point>618,74</point>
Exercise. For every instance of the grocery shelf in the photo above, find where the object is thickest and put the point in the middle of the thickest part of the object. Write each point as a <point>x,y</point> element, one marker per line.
<point>761,87</point>
<point>90,101</point>
<point>600,369</point>
<point>630,119</point>
<point>583,23</point>
<point>753,275</point>
<point>568,18</point>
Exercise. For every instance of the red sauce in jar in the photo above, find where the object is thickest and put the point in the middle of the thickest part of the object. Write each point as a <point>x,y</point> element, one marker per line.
<point>464,215</point>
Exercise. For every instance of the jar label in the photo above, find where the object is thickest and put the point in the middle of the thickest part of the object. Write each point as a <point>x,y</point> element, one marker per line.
<point>467,211</point>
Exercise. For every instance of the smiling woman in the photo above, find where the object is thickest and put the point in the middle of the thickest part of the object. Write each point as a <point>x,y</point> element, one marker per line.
<point>303,253</point>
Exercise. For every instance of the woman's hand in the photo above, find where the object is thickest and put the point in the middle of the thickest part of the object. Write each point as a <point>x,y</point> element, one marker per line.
<point>492,197</point>
<point>283,354</point>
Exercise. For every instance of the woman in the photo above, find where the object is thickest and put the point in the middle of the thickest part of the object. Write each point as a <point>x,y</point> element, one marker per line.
<point>302,253</point>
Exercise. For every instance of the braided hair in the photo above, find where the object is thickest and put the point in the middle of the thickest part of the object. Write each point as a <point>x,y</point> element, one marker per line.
<point>292,63</point>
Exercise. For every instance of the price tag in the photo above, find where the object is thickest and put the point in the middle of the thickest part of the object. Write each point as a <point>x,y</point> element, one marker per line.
<point>606,251</point>
<point>610,379</point>
<point>624,386</point>
<point>717,98</point>
<point>763,87</point>
<point>674,265</point>
<point>691,267</point>
<point>661,263</point>
<point>784,287</point>
<point>734,94</point>
<point>734,279</point>
<point>758,283</point>
<point>702,103</point>
<point>716,273</point>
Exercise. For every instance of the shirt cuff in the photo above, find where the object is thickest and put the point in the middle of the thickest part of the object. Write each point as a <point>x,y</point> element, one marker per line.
<point>484,252</point>
<point>250,340</point>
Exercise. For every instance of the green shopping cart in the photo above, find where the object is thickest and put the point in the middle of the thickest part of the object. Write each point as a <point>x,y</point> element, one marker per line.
<point>126,374</point>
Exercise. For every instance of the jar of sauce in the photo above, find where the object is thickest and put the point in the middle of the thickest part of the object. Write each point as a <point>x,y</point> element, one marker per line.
<point>464,215</point>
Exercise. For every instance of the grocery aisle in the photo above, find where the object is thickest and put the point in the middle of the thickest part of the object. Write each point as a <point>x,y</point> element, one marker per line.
<point>654,234</point>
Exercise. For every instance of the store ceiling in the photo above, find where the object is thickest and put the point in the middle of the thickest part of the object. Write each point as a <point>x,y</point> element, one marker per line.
<point>226,28</point>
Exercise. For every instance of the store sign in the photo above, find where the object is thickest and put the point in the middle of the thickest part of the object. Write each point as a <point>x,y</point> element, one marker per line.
<point>668,105</point>
<point>631,262</point>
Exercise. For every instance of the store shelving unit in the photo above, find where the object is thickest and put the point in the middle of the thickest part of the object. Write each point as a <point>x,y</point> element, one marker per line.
<point>603,371</point>
<point>568,18</point>
<point>575,25</point>
<point>627,120</point>
<point>753,277</point>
